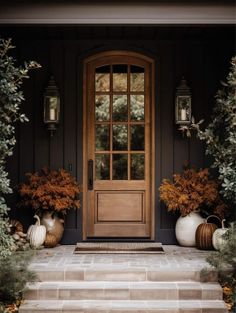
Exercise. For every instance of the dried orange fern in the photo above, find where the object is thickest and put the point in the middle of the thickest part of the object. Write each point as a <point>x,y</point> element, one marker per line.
<point>192,191</point>
<point>50,190</point>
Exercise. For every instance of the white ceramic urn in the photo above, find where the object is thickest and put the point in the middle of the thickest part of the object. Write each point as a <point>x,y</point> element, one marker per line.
<point>185,229</point>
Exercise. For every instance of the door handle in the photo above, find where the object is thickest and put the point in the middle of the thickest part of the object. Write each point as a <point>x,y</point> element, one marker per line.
<point>90,174</point>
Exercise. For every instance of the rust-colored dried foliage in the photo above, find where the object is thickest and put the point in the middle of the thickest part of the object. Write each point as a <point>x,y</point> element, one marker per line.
<point>227,295</point>
<point>50,190</point>
<point>192,191</point>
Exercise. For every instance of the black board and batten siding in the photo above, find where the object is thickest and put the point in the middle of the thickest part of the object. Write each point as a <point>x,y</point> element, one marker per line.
<point>200,54</point>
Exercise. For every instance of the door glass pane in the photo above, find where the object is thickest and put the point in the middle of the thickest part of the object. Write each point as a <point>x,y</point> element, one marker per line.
<point>137,166</point>
<point>120,77</point>
<point>120,137</point>
<point>102,137</point>
<point>120,166</point>
<point>137,137</point>
<point>102,78</point>
<point>102,108</point>
<point>120,111</point>
<point>137,107</point>
<point>136,78</point>
<point>102,166</point>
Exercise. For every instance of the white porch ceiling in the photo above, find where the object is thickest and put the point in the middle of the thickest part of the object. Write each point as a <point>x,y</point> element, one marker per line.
<point>118,14</point>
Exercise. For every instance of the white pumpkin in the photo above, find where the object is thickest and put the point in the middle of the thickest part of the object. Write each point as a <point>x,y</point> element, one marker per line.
<point>217,239</point>
<point>29,232</point>
<point>36,233</point>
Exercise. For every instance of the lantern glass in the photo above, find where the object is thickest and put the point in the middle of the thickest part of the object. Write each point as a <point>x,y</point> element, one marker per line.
<point>183,109</point>
<point>183,104</point>
<point>51,109</point>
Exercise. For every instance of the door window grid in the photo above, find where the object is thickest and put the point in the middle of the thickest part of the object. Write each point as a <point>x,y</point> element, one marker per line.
<point>117,154</point>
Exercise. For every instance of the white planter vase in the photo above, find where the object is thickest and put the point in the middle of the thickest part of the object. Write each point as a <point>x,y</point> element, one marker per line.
<point>185,229</point>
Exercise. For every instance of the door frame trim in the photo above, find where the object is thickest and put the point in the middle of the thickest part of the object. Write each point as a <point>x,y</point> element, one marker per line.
<point>152,139</point>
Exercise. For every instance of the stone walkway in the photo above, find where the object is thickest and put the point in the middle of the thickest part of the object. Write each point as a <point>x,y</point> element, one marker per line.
<point>175,257</point>
<point>118,283</point>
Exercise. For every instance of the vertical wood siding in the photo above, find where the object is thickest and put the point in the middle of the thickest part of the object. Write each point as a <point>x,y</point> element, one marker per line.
<point>201,61</point>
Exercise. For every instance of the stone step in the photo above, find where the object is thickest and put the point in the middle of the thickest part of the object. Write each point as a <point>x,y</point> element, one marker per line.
<point>120,273</point>
<point>124,291</point>
<point>123,306</point>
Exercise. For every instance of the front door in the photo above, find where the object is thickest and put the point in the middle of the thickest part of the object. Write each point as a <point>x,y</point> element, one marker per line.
<point>118,146</point>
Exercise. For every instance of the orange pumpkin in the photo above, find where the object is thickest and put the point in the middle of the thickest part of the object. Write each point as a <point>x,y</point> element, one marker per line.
<point>50,241</point>
<point>204,233</point>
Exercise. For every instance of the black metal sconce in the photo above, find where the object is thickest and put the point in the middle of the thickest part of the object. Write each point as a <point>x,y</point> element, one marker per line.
<point>183,104</point>
<point>51,106</point>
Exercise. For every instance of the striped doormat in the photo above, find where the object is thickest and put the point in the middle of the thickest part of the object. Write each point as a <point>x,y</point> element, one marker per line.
<point>118,247</point>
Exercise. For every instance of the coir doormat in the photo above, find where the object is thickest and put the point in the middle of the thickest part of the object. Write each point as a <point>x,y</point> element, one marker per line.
<point>118,247</point>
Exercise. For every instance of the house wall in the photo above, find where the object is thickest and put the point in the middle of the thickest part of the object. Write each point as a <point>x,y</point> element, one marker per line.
<point>200,54</point>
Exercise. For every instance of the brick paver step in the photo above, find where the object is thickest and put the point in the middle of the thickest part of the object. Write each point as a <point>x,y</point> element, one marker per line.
<point>85,290</point>
<point>122,306</point>
<point>96,283</point>
<point>123,273</point>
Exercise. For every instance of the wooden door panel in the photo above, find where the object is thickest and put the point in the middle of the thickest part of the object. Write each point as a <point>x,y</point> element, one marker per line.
<point>118,135</point>
<point>120,206</point>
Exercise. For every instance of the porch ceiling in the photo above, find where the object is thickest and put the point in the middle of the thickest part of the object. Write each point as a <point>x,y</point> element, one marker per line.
<point>118,13</point>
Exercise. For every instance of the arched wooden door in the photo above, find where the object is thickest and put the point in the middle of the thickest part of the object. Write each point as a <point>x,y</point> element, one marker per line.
<point>118,146</point>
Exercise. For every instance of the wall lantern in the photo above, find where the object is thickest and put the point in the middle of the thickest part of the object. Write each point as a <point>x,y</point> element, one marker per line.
<point>51,106</point>
<point>183,104</point>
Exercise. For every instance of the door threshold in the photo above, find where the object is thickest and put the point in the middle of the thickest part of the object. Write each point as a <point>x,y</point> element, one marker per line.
<point>118,239</point>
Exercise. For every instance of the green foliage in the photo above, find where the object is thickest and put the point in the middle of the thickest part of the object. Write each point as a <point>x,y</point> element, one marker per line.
<point>5,240</point>
<point>220,135</point>
<point>11,96</point>
<point>14,275</point>
<point>225,262</point>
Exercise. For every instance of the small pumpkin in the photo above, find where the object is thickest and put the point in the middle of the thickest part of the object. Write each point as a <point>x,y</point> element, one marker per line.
<point>204,233</point>
<point>36,233</point>
<point>218,239</point>
<point>50,241</point>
